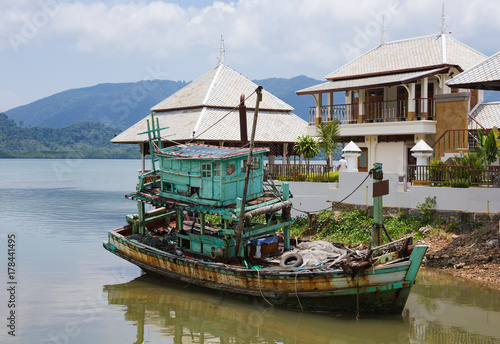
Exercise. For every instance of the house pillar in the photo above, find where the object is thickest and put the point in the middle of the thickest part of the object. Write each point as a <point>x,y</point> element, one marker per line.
<point>361,106</point>
<point>411,101</point>
<point>319,104</point>
<point>285,151</point>
<point>424,104</point>
<point>271,159</point>
<point>330,106</point>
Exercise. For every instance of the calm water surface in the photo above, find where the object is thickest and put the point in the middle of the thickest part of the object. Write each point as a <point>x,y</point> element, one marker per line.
<point>70,290</point>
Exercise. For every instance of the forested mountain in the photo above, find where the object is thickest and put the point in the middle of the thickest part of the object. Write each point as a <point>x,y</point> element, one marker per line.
<point>122,105</point>
<point>79,140</point>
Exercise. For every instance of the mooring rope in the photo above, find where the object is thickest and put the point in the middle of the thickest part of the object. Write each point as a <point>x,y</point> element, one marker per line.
<point>192,274</point>
<point>357,297</point>
<point>296,294</point>
<point>258,282</point>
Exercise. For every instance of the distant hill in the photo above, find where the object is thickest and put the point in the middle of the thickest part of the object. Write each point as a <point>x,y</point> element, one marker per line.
<point>118,105</point>
<point>79,140</point>
<point>121,105</point>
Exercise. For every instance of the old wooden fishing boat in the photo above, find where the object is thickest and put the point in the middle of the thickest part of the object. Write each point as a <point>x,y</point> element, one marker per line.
<point>214,223</point>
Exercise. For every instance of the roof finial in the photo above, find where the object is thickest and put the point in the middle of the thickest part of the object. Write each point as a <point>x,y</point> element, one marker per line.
<point>383,37</point>
<point>442,27</point>
<point>222,52</point>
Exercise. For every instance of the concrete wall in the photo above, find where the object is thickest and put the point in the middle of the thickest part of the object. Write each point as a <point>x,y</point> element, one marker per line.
<point>313,197</point>
<point>451,112</point>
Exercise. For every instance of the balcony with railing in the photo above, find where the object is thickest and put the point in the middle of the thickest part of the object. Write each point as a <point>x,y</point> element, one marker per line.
<point>385,111</point>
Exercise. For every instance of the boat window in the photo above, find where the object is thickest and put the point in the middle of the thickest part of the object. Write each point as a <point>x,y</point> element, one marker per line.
<point>168,187</point>
<point>256,162</point>
<point>230,169</point>
<point>243,165</point>
<point>206,170</point>
<point>216,169</point>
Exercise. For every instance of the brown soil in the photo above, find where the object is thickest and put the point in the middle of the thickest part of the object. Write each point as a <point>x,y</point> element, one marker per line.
<point>469,251</point>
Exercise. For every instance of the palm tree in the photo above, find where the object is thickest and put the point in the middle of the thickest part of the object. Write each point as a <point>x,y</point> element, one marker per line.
<point>306,146</point>
<point>328,133</point>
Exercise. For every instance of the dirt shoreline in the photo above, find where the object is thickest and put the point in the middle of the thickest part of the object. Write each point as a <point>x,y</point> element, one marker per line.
<point>469,251</point>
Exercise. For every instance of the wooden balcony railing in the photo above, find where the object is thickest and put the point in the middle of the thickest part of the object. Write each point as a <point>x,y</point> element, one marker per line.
<point>454,176</point>
<point>302,172</point>
<point>385,111</point>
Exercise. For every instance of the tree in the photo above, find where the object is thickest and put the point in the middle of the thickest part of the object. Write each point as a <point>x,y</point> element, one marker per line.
<point>306,146</point>
<point>487,147</point>
<point>328,133</point>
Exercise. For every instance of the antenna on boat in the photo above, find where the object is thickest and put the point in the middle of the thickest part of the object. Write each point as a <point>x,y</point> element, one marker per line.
<point>247,172</point>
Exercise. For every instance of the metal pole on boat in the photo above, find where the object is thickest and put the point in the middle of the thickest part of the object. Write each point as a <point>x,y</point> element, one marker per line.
<point>377,206</point>
<point>247,172</point>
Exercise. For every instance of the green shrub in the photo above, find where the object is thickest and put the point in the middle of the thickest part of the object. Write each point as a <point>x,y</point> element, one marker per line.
<point>427,210</point>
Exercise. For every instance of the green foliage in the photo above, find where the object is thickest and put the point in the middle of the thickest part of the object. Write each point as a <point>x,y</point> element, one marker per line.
<point>79,140</point>
<point>328,133</point>
<point>427,210</point>
<point>348,228</point>
<point>487,147</point>
<point>473,160</point>
<point>306,146</point>
<point>355,227</point>
<point>299,226</point>
<point>331,177</point>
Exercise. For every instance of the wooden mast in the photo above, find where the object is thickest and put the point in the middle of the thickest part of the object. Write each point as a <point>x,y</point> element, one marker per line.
<point>247,173</point>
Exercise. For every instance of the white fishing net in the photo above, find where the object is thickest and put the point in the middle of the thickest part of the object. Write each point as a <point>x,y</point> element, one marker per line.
<point>318,252</point>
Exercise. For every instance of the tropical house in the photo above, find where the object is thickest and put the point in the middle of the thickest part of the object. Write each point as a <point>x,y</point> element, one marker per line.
<point>396,95</point>
<point>207,111</point>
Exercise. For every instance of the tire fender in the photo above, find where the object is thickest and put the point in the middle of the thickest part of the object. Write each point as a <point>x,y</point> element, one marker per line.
<point>291,260</point>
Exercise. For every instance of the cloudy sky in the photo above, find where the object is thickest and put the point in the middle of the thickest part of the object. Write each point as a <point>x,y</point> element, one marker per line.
<point>48,46</point>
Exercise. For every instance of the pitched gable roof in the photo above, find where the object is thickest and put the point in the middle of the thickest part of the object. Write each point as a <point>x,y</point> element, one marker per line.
<point>220,88</point>
<point>410,55</point>
<point>484,75</point>
<point>487,114</point>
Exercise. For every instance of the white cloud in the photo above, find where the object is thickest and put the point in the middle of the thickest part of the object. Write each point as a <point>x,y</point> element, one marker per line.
<point>264,38</point>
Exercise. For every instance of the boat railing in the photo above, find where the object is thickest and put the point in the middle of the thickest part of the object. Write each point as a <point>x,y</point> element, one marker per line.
<point>148,179</point>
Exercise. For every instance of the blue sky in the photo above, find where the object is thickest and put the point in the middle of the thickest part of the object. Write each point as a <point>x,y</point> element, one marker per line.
<point>48,46</point>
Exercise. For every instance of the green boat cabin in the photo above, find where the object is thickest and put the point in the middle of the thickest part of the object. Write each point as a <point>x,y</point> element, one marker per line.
<point>209,175</point>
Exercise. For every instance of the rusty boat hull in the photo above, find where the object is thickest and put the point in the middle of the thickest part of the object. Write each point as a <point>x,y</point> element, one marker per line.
<point>380,289</point>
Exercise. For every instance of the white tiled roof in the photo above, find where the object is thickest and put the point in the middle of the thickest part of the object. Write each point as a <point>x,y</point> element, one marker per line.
<point>221,87</point>
<point>487,114</point>
<point>370,81</point>
<point>272,126</point>
<point>410,54</point>
<point>485,72</point>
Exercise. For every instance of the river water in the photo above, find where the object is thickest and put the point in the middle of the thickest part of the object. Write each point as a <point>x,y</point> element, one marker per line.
<point>68,289</point>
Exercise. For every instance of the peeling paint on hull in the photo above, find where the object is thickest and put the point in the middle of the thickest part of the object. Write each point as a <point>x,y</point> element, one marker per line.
<point>383,289</point>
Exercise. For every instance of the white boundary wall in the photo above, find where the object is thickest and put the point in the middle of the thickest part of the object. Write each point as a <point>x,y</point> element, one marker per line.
<point>313,197</point>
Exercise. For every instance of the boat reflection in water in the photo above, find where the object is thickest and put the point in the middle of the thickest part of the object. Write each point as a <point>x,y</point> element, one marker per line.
<point>195,316</point>
<point>441,309</point>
